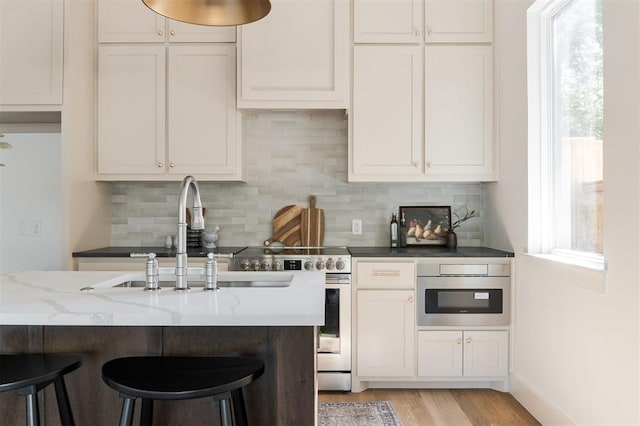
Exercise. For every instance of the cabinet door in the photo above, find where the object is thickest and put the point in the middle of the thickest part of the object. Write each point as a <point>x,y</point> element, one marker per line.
<point>201,110</point>
<point>386,21</point>
<point>458,21</point>
<point>440,353</point>
<point>183,32</point>
<point>385,330</point>
<point>295,57</point>
<point>459,111</point>
<point>387,109</point>
<point>128,21</point>
<point>131,109</point>
<point>31,52</point>
<point>486,353</point>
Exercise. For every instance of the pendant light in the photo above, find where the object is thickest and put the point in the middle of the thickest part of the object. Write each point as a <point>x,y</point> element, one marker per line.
<point>211,12</point>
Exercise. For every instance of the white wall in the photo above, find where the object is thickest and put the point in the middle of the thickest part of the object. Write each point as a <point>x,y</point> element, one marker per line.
<point>576,352</point>
<point>31,191</point>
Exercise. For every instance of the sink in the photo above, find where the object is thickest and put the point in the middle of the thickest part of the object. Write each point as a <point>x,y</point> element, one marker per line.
<point>225,279</point>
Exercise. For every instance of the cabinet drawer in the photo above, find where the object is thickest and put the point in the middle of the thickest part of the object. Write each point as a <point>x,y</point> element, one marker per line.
<point>386,275</point>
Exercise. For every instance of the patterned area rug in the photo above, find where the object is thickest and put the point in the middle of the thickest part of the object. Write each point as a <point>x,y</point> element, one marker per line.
<point>375,413</point>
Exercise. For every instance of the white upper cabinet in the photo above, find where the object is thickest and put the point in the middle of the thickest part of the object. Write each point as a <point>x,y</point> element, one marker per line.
<point>415,21</point>
<point>385,21</point>
<point>167,112</point>
<point>387,112</point>
<point>458,21</point>
<point>295,57</point>
<point>31,44</point>
<point>459,111</point>
<point>201,111</point>
<point>130,21</point>
<point>131,109</point>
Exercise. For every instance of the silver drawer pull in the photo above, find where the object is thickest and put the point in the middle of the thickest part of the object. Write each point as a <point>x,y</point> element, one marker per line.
<point>386,273</point>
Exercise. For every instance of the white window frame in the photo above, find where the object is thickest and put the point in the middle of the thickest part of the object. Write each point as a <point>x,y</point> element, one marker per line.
<point>540,98</point>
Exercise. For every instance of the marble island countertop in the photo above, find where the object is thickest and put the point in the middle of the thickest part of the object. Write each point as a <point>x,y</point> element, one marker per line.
<point>55,298</point>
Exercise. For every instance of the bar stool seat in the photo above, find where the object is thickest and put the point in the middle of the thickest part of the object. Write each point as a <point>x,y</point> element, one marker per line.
<point>29,373</point>
<point>182,377</point>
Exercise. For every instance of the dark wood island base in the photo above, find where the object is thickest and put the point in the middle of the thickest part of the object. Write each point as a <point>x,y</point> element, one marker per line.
<point>284,395</point>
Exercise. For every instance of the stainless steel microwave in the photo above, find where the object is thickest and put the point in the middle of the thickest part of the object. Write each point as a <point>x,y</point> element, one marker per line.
<point>463,294</point>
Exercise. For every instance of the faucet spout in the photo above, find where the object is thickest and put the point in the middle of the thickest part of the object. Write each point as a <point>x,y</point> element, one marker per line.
<point>189,183</point>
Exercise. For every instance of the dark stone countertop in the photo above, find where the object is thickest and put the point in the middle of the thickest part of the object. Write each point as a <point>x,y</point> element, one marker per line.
<point>159,251</point>
<point>431,251</point>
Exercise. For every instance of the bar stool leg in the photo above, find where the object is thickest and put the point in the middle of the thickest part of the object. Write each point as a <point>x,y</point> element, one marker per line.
<point>239,410</point>
<point>225,413</point>
<point>146,412</point>
<point>33,412</point>
<point>128,404</point>
<point>64,408</point>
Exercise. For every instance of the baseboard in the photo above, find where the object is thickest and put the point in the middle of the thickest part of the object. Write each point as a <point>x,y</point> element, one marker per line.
<point>540,407</point>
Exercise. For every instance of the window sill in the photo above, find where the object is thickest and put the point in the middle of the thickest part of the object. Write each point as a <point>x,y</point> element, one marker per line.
<point>582,273</point>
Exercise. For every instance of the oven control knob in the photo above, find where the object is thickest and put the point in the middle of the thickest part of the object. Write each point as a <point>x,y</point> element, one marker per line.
<point>340,265</point>
<point>265,265</point>
<point>330,264</point>
<point>255,265</point>
<point>244,265</point>
<point>319,265</point>
<point>276,265</point>
<point>308,265</point>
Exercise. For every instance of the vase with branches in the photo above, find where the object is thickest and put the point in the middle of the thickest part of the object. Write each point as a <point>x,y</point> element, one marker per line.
<point>452,237</point>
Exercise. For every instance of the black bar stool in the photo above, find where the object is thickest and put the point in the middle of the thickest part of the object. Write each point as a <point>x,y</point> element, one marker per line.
<point>182,377</point>
<point>29,373</point>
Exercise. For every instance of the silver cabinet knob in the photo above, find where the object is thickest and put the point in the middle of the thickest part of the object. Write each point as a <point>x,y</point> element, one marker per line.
<point>160,165</point>
<point>172,32</point>
<point>160,33</point>
<point>172,164</point>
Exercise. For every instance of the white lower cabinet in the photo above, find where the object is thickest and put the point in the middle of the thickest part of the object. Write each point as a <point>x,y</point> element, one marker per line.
<point>463,353</point>
<point>385,333</point>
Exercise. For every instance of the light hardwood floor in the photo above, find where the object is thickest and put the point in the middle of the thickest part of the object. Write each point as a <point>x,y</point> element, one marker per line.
<point>457,407</point>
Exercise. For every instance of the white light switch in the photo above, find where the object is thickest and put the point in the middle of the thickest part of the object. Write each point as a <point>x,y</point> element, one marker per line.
<point>30,227</point>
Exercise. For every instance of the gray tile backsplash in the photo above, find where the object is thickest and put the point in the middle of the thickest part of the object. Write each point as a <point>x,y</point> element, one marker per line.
<point>290,155</point>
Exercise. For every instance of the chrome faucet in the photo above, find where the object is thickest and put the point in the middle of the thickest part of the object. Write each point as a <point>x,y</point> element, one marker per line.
<point>197,222</point>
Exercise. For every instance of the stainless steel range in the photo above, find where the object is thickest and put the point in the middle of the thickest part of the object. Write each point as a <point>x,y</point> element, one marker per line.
<point>334,338</point>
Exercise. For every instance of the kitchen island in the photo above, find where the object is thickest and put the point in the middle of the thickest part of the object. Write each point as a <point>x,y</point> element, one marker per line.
<point>48,312</point>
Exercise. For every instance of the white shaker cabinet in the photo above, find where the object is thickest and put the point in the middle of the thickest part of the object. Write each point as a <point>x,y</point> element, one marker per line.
<point>463,353</point>
<point>131,109</point>
<point>388,21</point>
<point>403,131</point>
<point>31,45</point>
<point>295,57</point>
<point>458,21</point>
<point>385,334</point>
<point>385,319</point>
<point>414,21</point>
<point>387,112</point>
<point>167,112</point>
<point>458,116</point>
<point>130,21</point>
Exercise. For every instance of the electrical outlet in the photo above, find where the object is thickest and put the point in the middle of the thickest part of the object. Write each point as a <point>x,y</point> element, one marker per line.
<point>356,226</point>
<point>30,227</point>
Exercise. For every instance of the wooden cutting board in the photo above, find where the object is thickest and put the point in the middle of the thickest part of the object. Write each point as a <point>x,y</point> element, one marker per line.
<point>312,225</point>
<point>286,227</point>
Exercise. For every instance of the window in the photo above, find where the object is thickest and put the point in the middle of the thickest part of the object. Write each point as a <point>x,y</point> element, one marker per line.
<point>565,129</point>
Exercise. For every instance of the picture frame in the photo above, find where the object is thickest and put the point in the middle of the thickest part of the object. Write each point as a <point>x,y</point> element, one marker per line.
<point>426,225</point>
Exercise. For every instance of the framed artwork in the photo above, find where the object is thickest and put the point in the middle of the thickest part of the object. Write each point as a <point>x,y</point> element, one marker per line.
<point>426,225</point>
